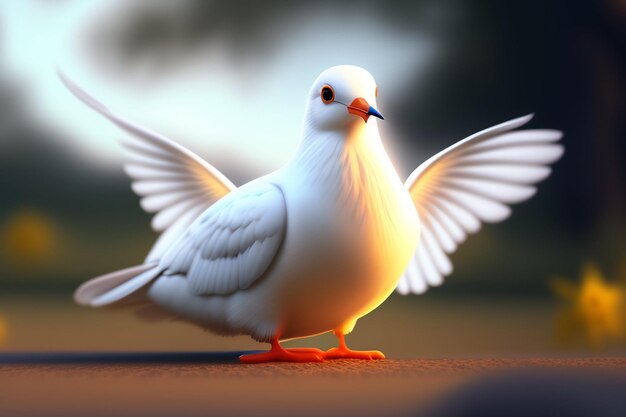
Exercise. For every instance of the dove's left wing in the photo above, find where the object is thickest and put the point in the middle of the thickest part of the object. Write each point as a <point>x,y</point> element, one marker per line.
<point>471,182</point>
<point>232,243</point>
<point>171,181</point>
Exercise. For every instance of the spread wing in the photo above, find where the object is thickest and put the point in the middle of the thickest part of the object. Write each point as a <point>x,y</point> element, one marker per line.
<point>231,244</point>
<point>471,182</point>
<point>171,181</point>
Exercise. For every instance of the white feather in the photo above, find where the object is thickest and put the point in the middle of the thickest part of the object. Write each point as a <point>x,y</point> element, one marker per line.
<point>232,243</point>
<point>158,165</point>
<point>494,190</point>
<point>473,181</point>
<point>125,289</point>
<point>516,174</point>
<point>95,287</point>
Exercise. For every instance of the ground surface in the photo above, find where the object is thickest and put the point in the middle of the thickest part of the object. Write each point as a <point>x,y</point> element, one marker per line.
<point>204,385</point>
<point>100,385</point>
<point>60,359</point>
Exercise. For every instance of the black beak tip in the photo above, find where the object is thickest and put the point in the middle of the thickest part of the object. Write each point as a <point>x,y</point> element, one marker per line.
<point>373,112</point>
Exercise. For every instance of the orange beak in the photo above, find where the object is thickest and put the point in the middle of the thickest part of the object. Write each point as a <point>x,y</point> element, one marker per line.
<point>360,107</point>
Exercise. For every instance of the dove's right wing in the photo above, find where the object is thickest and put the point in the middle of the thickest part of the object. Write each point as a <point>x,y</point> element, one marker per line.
<point>471,182</point>
<point>232,243</point>
<point>172,181</point>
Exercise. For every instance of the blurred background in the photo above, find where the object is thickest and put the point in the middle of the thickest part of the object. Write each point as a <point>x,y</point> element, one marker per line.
<point>228,80</point>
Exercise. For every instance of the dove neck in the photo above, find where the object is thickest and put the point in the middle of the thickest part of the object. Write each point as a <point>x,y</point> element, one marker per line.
<point>321,142</point>
<point>323,153</point>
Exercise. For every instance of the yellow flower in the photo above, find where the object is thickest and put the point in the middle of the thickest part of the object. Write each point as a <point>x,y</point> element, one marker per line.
<point>595,309</point>
<point>3,330</point>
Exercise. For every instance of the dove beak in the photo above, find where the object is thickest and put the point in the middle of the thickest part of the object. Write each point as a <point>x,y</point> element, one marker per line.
<point>360,107</point>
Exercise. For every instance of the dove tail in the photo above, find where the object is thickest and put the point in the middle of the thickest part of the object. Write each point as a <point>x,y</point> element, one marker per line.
<point>115,286</point>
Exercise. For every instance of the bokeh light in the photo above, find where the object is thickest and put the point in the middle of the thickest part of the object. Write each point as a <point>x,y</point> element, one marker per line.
<point>3,329</point>
<point>595,310</point>
<point>29,239</point>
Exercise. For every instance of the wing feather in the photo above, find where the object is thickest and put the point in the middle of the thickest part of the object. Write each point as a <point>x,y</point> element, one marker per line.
<point>170,180</point>
<point>232,243</point>
<point>473,182</point>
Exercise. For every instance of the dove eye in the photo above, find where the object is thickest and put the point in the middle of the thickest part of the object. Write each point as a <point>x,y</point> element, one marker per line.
<point>327,94</point>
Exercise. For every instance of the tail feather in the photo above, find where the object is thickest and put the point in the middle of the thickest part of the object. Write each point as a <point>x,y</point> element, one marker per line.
<point>114,286</point>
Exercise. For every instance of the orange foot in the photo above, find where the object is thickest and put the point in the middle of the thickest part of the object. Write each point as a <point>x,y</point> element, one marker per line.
<point>344,352</point>
<point>279,354</point>
<point>339,353</point>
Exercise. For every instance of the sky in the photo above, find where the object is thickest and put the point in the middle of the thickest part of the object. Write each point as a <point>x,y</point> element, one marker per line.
<point>210,102</point>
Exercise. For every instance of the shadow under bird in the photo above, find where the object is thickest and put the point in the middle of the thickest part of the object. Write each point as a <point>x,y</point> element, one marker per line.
<point>322,241</point>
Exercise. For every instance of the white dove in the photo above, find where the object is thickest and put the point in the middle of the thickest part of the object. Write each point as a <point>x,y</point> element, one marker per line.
<point>322,241</point>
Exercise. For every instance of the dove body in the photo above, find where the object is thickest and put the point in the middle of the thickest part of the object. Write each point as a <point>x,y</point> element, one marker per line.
<point>325,239</point>
<point>351,230</point>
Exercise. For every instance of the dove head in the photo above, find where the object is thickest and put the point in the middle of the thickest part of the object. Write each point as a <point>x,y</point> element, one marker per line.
<point>342,97</point>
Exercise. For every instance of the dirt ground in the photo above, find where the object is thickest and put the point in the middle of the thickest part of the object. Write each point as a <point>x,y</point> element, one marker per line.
<point>206,385</point>
<point>58,359</point>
